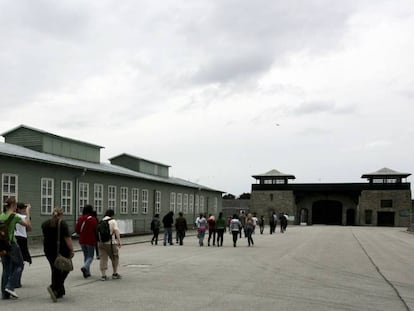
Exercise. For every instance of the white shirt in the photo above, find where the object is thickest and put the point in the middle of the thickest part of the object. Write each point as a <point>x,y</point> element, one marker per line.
<point>21,230</point>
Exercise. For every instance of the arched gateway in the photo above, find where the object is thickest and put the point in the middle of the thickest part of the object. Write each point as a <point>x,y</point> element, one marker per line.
<point>384,200</point>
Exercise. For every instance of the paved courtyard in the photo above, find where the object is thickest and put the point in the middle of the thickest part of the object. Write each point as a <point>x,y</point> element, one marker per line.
<point>307,268</point>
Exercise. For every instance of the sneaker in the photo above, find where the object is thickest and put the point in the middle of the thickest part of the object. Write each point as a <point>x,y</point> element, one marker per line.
<point>116,276</point>
<point>52,294</point>
<point>85,272</point>
<point>12,293</point>
<point>104,278</point>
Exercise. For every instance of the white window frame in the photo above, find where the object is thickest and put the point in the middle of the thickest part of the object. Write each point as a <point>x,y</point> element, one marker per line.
<point>112,197</point>
<point>123,207</point>
<point>134,201</point>
<point>197,204</point>
<point>66,190</point>
<point>191,204</point>
<point>172,201</point>
<point>98,195</point>
<point>47,189</point>
<point>83,195</point>
<point>157,202</point>
<point>201,204</point>
<point>179,202</point>
<point>7,186</point>
<point>144,201</point>
<point>185,204</point>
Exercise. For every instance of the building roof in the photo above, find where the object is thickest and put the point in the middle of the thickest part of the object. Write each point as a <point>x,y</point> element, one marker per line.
<point>22,126</point>
<point>14,151</point>
<point>385,172</point>
<point>275,173</point>
<point>137,158</point>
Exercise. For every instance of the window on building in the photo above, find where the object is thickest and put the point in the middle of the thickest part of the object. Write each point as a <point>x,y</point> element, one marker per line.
<point>124,200</point>
<point>112,198</point>
<point>46,196</point>
<point>179,202</point>
<point>185,204</point>
<point>157,202</point>
<point>66,196</point>
<point>98,198</point>
<point>368,217</point>
<point>172,202</point>
<point>144,198</point>
<point>201,204</point>
<point>197,204</point>
<point>9,186</point>
<point>386,203</point>
<point>215,207</point>
<point>83,195</point>
<point>134,200</point>
<point>191,204</point>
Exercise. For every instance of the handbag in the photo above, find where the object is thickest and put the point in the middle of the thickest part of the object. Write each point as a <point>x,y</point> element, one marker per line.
<point>62,263</point>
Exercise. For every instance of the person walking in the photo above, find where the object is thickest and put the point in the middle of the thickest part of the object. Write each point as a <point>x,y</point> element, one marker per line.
<point>242,219</point>
<point>283,222</point>
<point>50,241</point>
<point>201,228</point>
<point>261,224</point>
<point>12,260</point>
<point>235,227</point>
<point>20,233</point>
<point>249,229</point>
<point>86,228</point>
<point>155,228</point>
<point>211,229</point>
<point>167,222</point>
<point>180,227</point>
<point>110,249</point>
<point>220,228</point>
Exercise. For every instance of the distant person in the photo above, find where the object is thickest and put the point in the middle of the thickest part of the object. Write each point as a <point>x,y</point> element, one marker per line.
<point>110,249</point>
<point>181,227</point>
<point>50,241</point>
<point>168,221</point>
<point>254,222</point>
<point>201,228</point>
<point>235,227</point>
<point>220,228</point>
<point>21,239</point>
<point>12,260</point>
<point>155,228</point>
<point>261,224</point>
<point>86,228</point>
<point>249,228</point>
<point>283,222</point>
<point>211,229</point>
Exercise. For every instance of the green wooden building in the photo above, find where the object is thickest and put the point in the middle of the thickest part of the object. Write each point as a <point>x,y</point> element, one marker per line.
<point>48,170</point>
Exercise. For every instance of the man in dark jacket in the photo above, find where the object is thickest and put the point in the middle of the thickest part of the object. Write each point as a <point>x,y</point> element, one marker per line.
<point>181,227</point>
<point>168,221</point>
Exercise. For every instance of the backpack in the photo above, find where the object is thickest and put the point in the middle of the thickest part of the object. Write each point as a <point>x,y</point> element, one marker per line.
<point>103,231</point>
<point>4,235</point>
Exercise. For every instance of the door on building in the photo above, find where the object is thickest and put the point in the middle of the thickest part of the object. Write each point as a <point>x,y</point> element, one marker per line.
<point>327,212</point>
<point>350,217</point>
<point>386,219</point>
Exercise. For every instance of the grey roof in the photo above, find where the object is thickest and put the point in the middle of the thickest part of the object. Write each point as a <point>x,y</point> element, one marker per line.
<point>48,134</point>
<point>137,158</point>
<point>275,173</point>
<point>15,151</point>
<point>385,172</point>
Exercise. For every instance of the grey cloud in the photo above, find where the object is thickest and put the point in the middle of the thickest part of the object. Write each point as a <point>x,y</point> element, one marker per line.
<point>314,107</point>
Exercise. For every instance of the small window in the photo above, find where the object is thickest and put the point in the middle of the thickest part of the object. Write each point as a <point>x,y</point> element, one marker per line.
<point>386,203</point>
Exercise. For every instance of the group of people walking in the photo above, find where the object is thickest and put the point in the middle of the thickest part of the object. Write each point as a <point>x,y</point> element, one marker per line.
<point>102,237</point>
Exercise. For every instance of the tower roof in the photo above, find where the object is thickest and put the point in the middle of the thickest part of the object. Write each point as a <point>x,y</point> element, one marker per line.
<point>386,172</point>
<point>275,173</point>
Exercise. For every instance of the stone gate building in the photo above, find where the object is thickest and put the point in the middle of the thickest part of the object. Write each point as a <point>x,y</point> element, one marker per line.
<point>384,200</point>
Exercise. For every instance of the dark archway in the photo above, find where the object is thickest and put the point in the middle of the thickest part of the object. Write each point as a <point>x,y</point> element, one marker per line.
<point>327,212</point>
<point>350,217</point>
<point>386,219</point>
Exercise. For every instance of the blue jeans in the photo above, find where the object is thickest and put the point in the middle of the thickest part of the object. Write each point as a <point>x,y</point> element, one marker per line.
<point>12,269</point>
<point>88,253</point>
<point>167,235</point>
<point>201,234</point>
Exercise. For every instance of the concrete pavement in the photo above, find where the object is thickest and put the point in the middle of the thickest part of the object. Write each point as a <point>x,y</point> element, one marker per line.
<point>307,268</point>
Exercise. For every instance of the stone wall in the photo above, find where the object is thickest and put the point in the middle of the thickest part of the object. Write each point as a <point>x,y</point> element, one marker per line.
<point>266,202</point>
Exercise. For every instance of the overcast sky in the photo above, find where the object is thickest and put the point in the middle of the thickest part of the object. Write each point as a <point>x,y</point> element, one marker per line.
<point>218,89</point>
